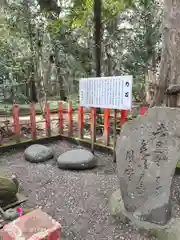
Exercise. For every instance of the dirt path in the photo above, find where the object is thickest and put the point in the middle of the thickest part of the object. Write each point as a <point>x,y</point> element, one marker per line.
<point>78,200</point>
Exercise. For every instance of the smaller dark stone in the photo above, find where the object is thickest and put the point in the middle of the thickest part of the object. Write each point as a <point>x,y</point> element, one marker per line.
<point>38,153</point>
<point>78,159</point>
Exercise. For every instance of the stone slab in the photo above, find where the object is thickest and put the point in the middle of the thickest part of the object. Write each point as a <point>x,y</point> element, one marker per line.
<point>77,159</point>
<point>147,154</point>
<point>170,231</point>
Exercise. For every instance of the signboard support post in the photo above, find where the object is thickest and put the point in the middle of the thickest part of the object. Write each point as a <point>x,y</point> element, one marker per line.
<point>92,132</point>
<point>114,136</point>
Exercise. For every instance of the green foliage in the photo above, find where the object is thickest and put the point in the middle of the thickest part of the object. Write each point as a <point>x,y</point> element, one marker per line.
<point>33,32</point>
<point>82,10</point>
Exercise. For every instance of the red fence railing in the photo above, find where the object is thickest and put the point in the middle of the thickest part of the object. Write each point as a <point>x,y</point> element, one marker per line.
<point>70,123</point>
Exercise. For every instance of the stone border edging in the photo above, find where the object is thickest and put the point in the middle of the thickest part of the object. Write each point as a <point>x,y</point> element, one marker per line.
<point>45,140</point>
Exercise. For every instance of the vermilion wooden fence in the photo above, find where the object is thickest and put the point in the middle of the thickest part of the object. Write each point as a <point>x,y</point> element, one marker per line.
<point>81,124</point>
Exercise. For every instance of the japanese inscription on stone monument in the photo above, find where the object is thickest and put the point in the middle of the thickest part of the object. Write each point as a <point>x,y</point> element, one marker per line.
<point>147,154</point>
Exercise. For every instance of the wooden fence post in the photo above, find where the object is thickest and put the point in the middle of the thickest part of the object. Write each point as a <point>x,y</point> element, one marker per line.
<point>90,120</point>
<point>70,120</point>
<point>94,113</point>
<point>124,115</point>
<point>106,126</point>
<point>81,121</point>
<point>33,120</point>
<point>60,117</point>
<point>47,119</point>
<point>17,130</point>
<point>114,135</point>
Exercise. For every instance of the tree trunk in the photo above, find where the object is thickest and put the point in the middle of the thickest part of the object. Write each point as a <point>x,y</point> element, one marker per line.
<point>47,79</point>
<point>150,76</point>
<point>97,35</point>
<point>170,58</point>
<point>60,79</point>
<point>33,92</point>
<point>97,38</point>
<point>41,88</point>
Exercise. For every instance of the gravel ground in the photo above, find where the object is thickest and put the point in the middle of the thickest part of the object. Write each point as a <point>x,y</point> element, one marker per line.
<point>78,200</point>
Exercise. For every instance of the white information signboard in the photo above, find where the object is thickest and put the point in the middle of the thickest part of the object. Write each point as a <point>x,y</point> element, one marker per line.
<point>106,92</point>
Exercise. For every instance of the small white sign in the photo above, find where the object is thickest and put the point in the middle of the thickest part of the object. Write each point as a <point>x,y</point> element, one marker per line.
<point>106,92</point>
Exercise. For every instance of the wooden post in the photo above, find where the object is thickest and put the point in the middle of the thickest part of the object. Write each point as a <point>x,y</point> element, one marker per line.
<point>81,121</point>
<point>48,120</point>
<point>93,130</point>
<point>106,126</point>
<point>124,115</point>
<point>60,117</point>
<point>93,115</point>
<point>114,134</point>
<point>95,118</point>
<point>17,130</point>
<point>90,120</point>
<point>70,120</point>
<point>33,120</point>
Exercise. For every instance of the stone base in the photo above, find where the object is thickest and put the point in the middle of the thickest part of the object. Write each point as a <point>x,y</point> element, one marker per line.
<point>171,231</point>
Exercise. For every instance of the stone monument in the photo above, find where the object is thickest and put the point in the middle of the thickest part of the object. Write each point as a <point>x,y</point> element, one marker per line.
<point>147,153</point>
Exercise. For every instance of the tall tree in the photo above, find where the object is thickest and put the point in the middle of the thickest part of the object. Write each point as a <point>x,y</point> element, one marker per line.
<point>169,79</point>
<point>97,35</point>
<point>97,38</point>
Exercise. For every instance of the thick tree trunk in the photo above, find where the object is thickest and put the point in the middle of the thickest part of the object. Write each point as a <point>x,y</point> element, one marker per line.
<point>97,35</point>
<point>97,38</point>
<point>32,83</point>
<point>170,59</point>
<point>150,76</point>
<point>41,88</point>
